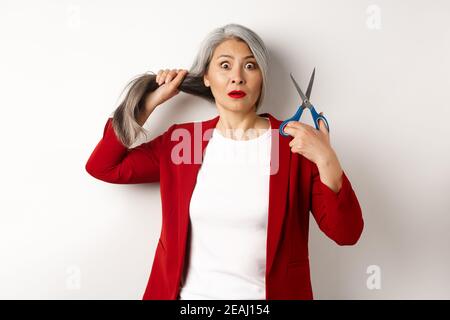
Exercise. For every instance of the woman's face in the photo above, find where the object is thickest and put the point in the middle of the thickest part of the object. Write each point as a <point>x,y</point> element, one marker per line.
<point>233,67</point>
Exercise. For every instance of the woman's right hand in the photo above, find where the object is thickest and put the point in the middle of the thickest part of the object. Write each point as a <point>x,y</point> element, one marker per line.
<point>168,81</point>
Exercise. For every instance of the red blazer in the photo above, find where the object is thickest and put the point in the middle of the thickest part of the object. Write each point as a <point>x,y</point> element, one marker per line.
<point>295,189</point>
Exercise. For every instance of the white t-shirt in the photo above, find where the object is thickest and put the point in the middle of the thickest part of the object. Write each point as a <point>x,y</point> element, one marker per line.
<point>228,215</point>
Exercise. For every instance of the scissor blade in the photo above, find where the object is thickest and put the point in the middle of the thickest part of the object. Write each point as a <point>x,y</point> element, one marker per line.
<point>300,92</point>
<point>311,81</point>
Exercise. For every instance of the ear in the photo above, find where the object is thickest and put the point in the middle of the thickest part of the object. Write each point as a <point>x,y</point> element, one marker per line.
<point>205,80</point>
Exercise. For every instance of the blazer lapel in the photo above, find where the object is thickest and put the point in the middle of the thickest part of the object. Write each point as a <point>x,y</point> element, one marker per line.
<point>200,135</point>
<point>278,189</point>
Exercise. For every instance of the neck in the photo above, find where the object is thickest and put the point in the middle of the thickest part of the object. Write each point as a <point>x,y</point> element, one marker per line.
<point>237,125</point>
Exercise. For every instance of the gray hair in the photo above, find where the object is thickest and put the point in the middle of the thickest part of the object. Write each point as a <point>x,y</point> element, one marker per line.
<point>124,119</point>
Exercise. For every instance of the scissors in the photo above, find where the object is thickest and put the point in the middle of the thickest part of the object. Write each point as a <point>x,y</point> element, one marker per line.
<point>305,104</point>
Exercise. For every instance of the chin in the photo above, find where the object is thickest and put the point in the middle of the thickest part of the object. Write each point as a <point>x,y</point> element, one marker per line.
<point>238,105</point>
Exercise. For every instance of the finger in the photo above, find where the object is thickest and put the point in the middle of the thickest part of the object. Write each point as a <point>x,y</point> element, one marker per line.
<point>293,142</point>
<point>179,78</point>
<point>298,125</point>
<point>322,125</point>
<point>289,130</point>
<point>163,76</point>
<point>158,76</point>
<point>170,75</point>
<point>296,149</point>
<point>293,124</point>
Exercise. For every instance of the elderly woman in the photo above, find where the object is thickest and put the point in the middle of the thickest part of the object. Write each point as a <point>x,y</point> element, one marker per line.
<point>232,227</point>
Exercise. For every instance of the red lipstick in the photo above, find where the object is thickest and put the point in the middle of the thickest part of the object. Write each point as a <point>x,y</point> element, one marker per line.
<point>237,94</point>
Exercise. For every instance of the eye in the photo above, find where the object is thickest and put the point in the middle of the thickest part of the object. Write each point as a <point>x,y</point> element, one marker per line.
<point>253,65</point>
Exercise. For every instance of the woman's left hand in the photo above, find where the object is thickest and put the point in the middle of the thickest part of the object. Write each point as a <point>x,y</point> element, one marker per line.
<point>315,145</point>
<point>309,142</point>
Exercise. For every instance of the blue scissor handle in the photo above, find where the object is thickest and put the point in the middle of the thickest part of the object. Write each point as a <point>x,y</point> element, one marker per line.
<point>317,117</point>
<point>296,117</point>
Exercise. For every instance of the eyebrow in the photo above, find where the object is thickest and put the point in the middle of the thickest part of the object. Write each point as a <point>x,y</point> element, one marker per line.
<point>227,55</point>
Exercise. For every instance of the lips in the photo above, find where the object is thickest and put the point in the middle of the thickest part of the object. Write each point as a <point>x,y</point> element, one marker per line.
<point>236,94</point>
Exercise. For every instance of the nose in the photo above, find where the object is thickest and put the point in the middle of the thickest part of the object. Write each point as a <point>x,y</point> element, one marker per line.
<point>236,77</point>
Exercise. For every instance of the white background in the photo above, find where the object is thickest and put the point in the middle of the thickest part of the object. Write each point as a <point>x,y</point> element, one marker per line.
<point>382,80</point>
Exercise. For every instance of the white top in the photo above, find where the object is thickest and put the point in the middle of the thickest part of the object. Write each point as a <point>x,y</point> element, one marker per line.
<point>228,214</point>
